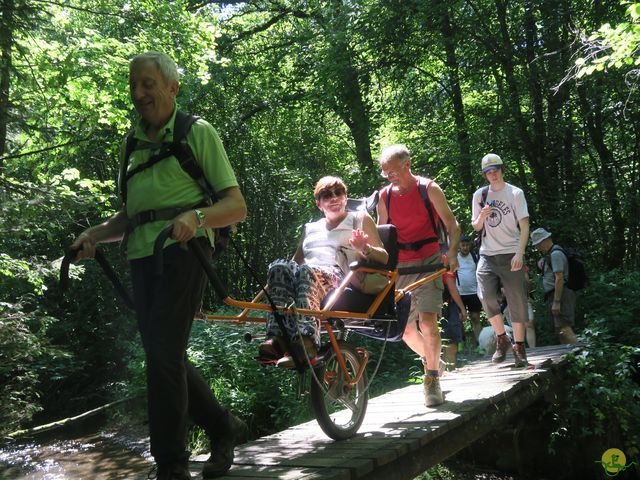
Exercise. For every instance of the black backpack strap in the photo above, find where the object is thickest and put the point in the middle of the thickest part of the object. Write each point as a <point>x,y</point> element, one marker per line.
<point>387,201</point>
<point>547,257</point>
<point>483,201</point>
<point>483,196</point>
<point>182,151</point>
<point>130,146</point>
<point>423,187</point>
<point>437,225</point>
<point>178,148</point>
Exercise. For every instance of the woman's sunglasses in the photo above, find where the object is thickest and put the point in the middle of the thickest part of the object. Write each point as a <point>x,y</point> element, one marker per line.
<point>330,193</point>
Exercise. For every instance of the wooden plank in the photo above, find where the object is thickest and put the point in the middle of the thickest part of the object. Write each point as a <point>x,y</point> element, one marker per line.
<point>400,437</point>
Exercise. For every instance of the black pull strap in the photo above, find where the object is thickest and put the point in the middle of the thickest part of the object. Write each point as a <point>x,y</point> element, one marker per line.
<point>70,257</point>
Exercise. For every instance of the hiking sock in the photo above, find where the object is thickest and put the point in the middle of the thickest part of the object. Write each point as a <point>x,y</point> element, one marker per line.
<point>433,373</point>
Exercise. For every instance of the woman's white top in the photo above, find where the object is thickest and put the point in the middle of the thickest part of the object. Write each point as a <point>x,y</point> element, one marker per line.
<point>320,245</point>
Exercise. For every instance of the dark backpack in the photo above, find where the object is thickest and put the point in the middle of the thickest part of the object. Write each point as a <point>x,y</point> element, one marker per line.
<point>577,267</point>
<point>439,228</point>
<point>180,149</point>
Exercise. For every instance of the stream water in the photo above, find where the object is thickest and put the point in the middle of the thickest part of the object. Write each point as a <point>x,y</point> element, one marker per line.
<point>97,456</point>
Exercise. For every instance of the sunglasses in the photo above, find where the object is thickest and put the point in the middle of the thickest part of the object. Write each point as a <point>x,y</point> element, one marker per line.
<point>330,193</point>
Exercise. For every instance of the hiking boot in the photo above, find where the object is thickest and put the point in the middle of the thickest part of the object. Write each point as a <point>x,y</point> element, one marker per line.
<point>521,355</point>
<point>176,471</point>
<point>432,393</point>
<point>503,344</point>
<point>441,367</point>
<point>288,362</point>
<point>221,457</point>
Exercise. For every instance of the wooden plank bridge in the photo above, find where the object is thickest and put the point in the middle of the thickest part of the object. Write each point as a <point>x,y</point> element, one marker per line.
<point>400,437</point>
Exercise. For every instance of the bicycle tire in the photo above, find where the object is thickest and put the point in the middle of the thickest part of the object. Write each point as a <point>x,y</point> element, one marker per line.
<point>339,409</point>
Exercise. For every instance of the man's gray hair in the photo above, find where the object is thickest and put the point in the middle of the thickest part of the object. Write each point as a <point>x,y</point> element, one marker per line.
<point>397,151</point>
<point>164,62</point>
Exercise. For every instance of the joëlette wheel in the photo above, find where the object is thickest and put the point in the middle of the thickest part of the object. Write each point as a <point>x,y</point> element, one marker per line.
<point>339,407</point>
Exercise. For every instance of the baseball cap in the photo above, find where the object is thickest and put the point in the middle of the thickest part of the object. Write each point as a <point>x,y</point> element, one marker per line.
<point>465,238</point>
<point>538,235</point>
<point>491,161</point>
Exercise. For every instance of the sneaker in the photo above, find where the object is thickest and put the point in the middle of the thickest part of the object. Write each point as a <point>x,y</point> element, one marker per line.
<point>221,457</point>
<point>169,472</point>
<point>288,362</point>
<point>521,356</point>
<point>432,393</point>
<point>270,351</point>
<point>503,344</point>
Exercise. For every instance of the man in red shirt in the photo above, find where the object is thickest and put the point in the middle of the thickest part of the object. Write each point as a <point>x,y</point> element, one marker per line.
<point>402,205</point>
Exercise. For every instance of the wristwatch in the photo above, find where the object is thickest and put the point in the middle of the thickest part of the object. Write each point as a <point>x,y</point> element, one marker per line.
<point>200,216</point>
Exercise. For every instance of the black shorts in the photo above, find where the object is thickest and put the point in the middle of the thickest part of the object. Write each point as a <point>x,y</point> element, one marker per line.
<point>472,302</point>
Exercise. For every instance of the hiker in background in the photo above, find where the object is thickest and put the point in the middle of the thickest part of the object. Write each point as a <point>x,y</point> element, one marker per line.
<point>501,218</point>
<point>468,285</point>
<point>159,196</point>
<point>530,323</point>
<point>560,299</point>
<point>417,207</point>
<point>453,316</point>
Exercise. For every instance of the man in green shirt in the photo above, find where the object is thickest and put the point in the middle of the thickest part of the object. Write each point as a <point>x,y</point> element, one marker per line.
<point>166,304</point>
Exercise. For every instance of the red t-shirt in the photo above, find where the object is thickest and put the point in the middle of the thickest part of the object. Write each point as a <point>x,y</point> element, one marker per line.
<point>411,218</point>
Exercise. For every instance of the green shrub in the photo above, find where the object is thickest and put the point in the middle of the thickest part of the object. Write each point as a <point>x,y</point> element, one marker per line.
<point>603,400</point>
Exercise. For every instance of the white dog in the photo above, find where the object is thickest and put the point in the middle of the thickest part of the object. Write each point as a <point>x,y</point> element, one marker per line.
<point>487,338</point>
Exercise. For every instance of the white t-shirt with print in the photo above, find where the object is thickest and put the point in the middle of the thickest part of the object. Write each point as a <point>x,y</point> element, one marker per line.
<point>501,229</point>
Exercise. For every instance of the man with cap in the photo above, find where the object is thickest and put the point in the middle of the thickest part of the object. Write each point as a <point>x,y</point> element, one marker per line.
<point>560,299</point>
<point>467,283</point>
<point>500,215</point>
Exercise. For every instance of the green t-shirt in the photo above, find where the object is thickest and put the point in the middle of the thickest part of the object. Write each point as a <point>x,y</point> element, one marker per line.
<point>166,184</point>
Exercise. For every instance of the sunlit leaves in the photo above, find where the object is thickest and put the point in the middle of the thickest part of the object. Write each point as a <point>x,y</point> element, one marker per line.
<point>612,46</point>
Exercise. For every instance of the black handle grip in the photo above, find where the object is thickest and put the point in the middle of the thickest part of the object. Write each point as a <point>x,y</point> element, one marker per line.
<point>158,247</point>
<point>69,257</point>
<point>215,281</point>
<point>196,248</point>
<point>420,269</point>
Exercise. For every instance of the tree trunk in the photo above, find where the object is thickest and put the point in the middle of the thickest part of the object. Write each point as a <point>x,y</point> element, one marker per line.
<point>592,114</point>
<point>530,150</point>
<point>6,41</point>
<point>357,118</point>
<point>462,133</point>
<point>556,21</point>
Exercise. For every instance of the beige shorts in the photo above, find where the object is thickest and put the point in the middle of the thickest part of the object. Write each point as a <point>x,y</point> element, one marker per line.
<point>428,297</point>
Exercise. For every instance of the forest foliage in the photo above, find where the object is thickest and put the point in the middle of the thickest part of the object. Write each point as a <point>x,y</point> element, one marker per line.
<point>297,90</point>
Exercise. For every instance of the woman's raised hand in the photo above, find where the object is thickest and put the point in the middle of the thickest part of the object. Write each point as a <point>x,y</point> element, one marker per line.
<point>359,240</point>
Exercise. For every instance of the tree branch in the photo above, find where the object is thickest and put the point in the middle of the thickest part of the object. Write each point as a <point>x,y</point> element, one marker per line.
<point>80,9</point>
<point>70,142</point>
